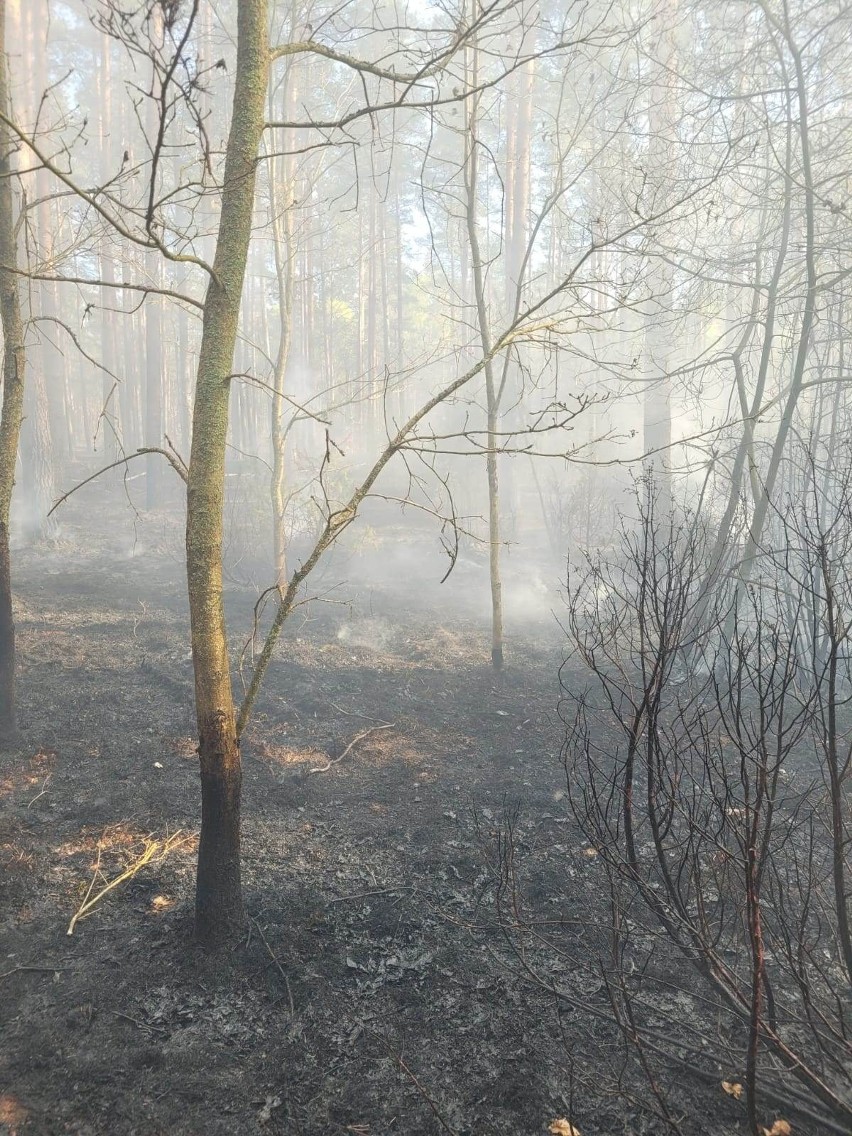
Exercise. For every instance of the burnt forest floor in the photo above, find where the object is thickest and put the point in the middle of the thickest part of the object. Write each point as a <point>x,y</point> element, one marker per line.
<point>374,991</point>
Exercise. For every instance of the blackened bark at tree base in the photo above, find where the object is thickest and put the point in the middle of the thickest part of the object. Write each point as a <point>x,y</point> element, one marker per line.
<point>219,913</point>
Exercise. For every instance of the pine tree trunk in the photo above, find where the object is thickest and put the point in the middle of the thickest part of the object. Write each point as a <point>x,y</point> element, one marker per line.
<point>14,362</point>
<point>657,403</point>
<point>153,389</point>
<point>282,195</point>
<point>183,389</point>
<point>152,315</point>
<point>43,469</point>
<point>36,441</point>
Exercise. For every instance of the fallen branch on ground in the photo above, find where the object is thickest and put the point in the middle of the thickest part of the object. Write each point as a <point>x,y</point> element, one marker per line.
<point>358,738</point>
<point>153,849</point>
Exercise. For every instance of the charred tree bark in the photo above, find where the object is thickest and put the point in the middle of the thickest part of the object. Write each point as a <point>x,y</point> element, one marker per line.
<point>219,907</point>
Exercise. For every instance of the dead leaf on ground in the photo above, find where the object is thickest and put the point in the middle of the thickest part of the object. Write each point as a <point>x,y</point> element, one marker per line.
<point>12,1113</point>
<point>734,1089</point>
<point>563,1127</point>
<point>779,1128</point>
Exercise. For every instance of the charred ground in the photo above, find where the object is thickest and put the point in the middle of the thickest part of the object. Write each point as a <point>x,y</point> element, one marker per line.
<point>375,990</point>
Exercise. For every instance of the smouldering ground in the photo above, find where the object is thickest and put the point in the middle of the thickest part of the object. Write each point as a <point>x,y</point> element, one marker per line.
<point>375,991</point>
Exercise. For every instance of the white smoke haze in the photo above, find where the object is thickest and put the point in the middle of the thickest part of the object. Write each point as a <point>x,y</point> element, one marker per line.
<point>473,338</point>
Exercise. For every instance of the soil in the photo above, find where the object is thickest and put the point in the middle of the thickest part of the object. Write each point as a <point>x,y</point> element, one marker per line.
<point>375,990</point>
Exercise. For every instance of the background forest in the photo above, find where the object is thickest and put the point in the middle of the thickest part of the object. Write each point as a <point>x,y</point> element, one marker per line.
<point>481,367</point>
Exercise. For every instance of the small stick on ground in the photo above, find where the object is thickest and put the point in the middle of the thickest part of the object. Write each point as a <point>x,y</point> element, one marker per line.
<point>33,800</point>
<point>281,970</point>
<point>425,1096</point>
<point>144,1026</point>
<point>358,738</point>
<point>353,713</point>
<point>364,894</point>
<point>399,1060</point>
<point>32,969</point>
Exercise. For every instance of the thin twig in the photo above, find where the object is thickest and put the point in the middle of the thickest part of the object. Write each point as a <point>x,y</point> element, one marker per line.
<point>364,894</point>
<point>30,803</point>
<point>139,1025</point>
<point>33,970</point>
<point>179,469</point>
<point>281,970</point>
<point>353,713</point>
<point>358,738</point>
<point>425,1096</point>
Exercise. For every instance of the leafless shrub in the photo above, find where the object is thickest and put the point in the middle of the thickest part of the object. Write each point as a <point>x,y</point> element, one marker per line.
<point>707,755</point>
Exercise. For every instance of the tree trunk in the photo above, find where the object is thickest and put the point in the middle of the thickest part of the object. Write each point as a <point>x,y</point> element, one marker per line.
<point>13,396</point>
<point>131,435</point>
<point>36,447</point>
<point>471,167</point>
<point>42,471</point>
<point>803,343</point>
<point>657,403</point>
<point>282,195</point>
<point>518,178</point>
<point>152,315</point>
<point>183,384</point>
<point>154,358</point>
<point>219,907</point>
